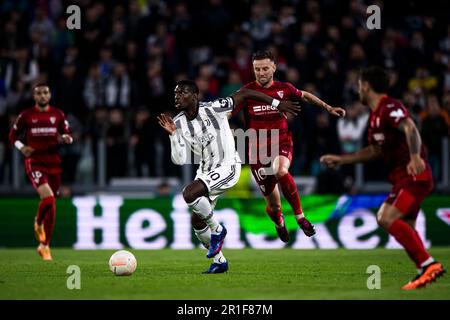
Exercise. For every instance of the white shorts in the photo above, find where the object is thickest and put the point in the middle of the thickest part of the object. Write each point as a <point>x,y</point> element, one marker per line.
<point>220,180</point>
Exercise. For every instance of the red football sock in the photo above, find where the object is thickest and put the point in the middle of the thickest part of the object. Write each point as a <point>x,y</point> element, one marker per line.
<point>275,216</point>
<point>290,192</point>
<point>45,206</point>
<point>410,240</point>
<point>49,220</point>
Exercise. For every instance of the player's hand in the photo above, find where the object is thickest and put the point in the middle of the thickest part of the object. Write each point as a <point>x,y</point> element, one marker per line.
<point>67,139</point>
<point>167,123</point>
<point>331,160</point>
<point>415,166</point>
<point>292,107</point>
<point>338,112</point>
<point>27,151</point>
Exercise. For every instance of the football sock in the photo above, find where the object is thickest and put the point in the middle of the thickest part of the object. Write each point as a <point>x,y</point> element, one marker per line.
<point>275,216</point>
<point>45,206</point>
<point>49,221</point>
<point>410,240</point>
<point>427,262</point>
<point>202,207</point>
<point>290,192</point>
<point>204,236</point>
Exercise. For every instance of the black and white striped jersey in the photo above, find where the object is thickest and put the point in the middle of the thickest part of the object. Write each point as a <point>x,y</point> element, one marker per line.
<point>208,135</point>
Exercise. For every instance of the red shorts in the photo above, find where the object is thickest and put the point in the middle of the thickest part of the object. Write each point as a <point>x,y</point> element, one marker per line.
<point>39,177</point>
<point>267,182</point>
<point>408,194</point>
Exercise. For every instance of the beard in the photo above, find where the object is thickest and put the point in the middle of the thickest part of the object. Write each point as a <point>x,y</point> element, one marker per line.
<point>42,104</point>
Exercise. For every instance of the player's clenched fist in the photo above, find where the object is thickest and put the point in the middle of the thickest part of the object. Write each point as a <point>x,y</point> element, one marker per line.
<point>331,160</point>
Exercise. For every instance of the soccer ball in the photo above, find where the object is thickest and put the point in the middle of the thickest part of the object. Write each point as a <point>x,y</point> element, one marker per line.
<point>122,263</point>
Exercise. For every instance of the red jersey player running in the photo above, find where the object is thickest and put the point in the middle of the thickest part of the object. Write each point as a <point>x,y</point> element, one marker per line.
<point>263,118</point>
<point>40,127</point>
<point>394,137</point>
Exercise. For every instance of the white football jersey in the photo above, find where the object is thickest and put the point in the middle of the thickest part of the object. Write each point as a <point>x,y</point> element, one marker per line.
<point>208,135</point>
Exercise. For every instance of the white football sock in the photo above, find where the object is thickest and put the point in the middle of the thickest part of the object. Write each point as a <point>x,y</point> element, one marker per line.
<point>204,236</point>
<point>299,216</point>
<point>427,262</point>
<point>202,207</point>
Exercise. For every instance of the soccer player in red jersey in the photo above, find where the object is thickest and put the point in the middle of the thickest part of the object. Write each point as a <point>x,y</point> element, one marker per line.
<point>36,134</point>
<point>394,137</point>
<point>265,117</point>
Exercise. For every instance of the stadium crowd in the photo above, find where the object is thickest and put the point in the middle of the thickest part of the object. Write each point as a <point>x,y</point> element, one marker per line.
<point>114,75</point>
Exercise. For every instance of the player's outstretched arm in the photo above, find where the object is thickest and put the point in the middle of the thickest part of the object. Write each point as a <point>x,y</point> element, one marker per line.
<point>282,106</point>
<point>309,97</point>
<point>178,151</point>
<point>368,153</point>
<point>416,164</point>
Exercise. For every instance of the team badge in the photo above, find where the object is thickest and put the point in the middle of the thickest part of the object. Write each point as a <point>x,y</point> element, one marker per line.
<point>281,94</point>
<point>53,120</point>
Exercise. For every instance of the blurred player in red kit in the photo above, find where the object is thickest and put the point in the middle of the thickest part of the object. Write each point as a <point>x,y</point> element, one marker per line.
<point>264,117</point>
<point>36,133</point>
<point>394,137</point>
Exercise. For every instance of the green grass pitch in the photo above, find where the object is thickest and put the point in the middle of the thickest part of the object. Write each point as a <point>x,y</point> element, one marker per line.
<point>254,274</point>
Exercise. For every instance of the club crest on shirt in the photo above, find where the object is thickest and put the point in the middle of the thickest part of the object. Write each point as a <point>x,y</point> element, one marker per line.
<point>34,120</point>
<point>53,120</point>
<point>281,94</point>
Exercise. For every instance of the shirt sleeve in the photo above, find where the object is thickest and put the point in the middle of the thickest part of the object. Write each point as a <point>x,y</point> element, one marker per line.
<point>178,148</point>
<point>17,129</point>
<point>394,114</point>
<point>295,93</point>
<point>64,127</point>
<point>223,105</point>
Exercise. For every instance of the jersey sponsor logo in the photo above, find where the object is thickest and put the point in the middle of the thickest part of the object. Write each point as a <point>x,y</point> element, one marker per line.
<point>204,140</point>
<point>280,94</point>
<point>397,114</point>
<point>264,108</point>
<point>43,130</point>
<point>53,120</point>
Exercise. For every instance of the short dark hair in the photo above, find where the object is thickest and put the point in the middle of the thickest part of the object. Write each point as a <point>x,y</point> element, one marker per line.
<point>377,77</point>
<point>40,84</point>
<point>191,85</point>
<point>263,54</point>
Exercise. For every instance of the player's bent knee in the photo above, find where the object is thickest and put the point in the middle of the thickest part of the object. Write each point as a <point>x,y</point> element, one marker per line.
<point>281,172</point>
<point>274,207</point>
<point>188,195</point>
<point>384,220</point>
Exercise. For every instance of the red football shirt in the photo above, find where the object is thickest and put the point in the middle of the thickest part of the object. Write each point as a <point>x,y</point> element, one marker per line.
<point>263,116</point>
<point>383,131</point>
<point>41,130</point>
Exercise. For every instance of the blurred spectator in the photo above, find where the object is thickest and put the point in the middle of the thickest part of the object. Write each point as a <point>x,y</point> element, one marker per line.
<point>116,145</point>
<point>118,87</point>
<point>94,88</point>
<point>434,128</point>
<point>350,131</point>
<point>142,139</point>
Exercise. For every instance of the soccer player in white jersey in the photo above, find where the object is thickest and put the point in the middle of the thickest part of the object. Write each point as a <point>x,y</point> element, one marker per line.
<point>204,128</point>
